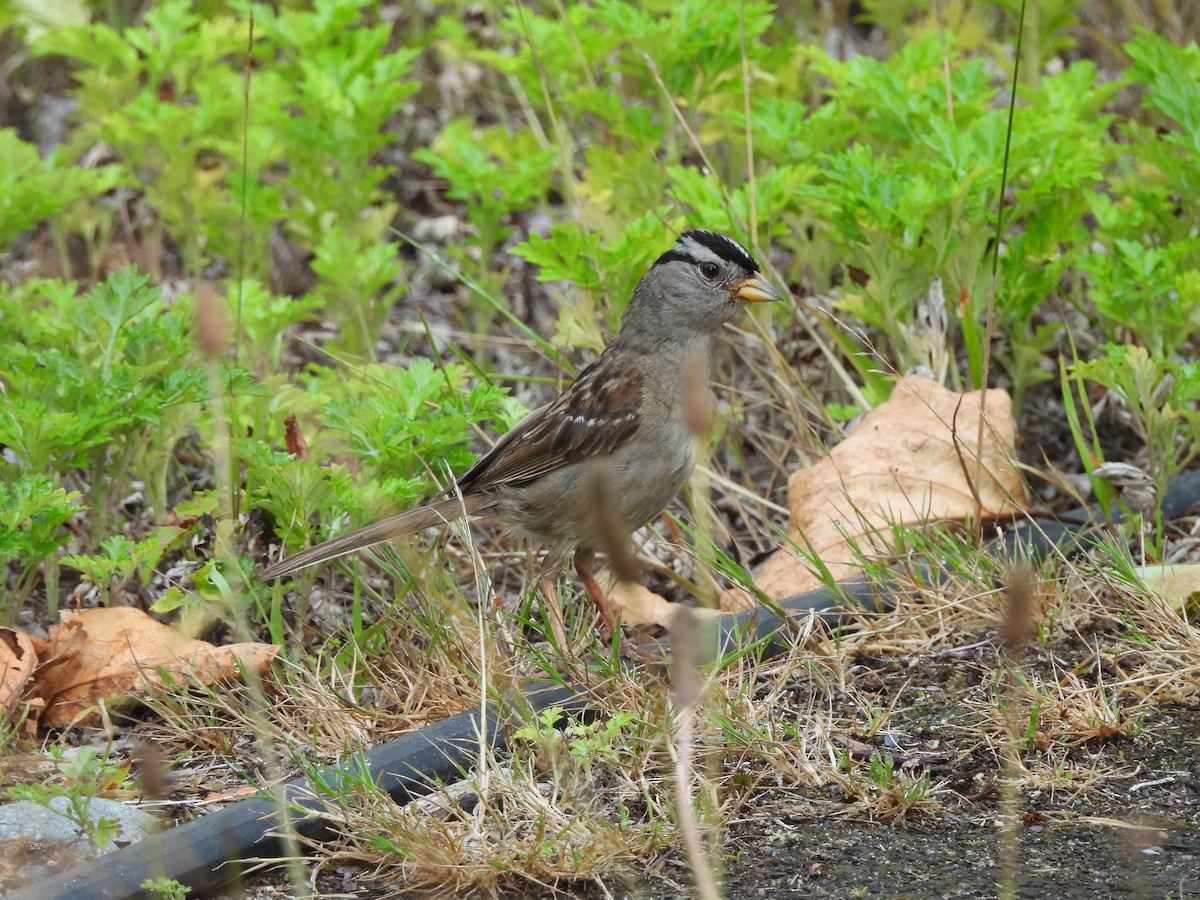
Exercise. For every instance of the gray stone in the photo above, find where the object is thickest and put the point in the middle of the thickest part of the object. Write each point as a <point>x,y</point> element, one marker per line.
<point>22,820</point>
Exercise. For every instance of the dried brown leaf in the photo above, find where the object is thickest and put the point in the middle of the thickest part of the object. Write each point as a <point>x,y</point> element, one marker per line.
<point>105,654</point>
<point>18,659</point>
<point>641,606</point>
<point>294,439</point>
<point>913,460</point>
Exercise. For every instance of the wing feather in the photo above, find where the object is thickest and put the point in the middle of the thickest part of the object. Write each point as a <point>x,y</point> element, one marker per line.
<point>593,417</point>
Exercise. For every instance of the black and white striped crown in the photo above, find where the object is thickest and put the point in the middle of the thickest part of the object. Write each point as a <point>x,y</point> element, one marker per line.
<point>726,248</point>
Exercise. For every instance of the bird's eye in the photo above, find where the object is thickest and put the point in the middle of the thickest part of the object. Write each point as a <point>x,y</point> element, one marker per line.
<point>710,270</point>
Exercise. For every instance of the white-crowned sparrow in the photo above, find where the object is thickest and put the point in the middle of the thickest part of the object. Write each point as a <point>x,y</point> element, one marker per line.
<point>611,451</point>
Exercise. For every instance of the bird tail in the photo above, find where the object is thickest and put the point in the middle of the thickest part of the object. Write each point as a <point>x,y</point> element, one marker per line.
<point>369,535</point>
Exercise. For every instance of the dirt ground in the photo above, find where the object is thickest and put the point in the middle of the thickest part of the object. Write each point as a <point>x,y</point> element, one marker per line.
<point>1116,816</point>
<point>1078,848</point>
<point>1134,831</point>
<point>958,857</point>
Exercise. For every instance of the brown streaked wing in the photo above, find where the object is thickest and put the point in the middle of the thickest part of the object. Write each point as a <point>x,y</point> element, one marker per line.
<point>593,417</point>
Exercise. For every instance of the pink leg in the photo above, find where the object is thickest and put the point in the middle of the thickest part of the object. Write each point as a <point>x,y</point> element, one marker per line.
<point>583,568</point>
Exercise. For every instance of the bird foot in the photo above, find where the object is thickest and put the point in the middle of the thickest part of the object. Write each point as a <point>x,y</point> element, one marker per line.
<point>612,619</point>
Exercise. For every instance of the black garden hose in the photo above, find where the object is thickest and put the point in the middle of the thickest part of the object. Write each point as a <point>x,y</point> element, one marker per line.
<point>206,854</point>
<point>1031,539</point>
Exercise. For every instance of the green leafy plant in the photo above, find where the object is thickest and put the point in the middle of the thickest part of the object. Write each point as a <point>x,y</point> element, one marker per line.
<point>601,741</point>
<point>627,140</point>
<point>333,81</point>
<point>170,98</point>
<point>915,199</point>
<point>1143,276</point>
<point>34,190</point>
<point>258,322</point>
<point>898,792</point>
<point>495,173</point>
<point>33,510</point>
<point>587,744</point>
<point>894,176</point>
<point>103,382</point>
<point>166,888</point>
<point>403,425</point>
<point>168,101</point>
<point>1157,396</point>
<point>120,562</point>
<point>402,421</point>
<point>295,492</point>
<point>81,773</point>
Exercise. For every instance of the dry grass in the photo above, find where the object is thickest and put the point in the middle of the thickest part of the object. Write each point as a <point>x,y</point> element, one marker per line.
<point>840,722</point>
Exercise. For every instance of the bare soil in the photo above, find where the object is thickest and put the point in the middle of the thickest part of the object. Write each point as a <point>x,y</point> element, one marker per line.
<point>1129,826</point>
<point>1135,835</point>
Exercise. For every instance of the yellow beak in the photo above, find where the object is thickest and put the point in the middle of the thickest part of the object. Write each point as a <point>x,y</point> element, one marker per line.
<point>754,289</point>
